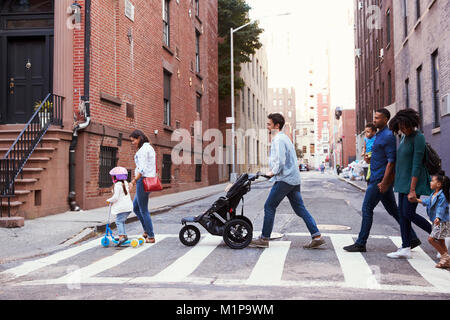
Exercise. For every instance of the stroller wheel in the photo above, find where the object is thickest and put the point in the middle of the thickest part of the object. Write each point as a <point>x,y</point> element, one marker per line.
<point>189,235</point>
<point>238,233</point>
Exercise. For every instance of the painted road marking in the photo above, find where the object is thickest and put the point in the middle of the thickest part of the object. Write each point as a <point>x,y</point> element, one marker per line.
<point>186,264</point>
<point>30,266</point>
<point>357,272</point>
<point>270,265</point>
<point>423,264</point>
<point>108,262</point>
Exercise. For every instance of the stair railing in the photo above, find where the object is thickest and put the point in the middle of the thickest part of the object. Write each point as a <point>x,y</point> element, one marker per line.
<point>48,112</point>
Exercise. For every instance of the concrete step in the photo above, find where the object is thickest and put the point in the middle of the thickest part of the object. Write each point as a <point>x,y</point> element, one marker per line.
<point>45,142</point>
<point>39,151</point>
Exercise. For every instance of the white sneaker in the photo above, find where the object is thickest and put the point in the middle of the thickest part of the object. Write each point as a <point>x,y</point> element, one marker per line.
<point>402,253</point>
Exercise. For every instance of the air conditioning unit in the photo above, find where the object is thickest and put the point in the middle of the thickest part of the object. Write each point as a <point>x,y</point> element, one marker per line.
<point>382,53</point>
<point>445,105</point>
<point>358,52</point>
<point>360,5</point>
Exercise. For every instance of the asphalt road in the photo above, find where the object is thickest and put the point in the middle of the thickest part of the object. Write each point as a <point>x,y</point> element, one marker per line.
<point>211,270</point>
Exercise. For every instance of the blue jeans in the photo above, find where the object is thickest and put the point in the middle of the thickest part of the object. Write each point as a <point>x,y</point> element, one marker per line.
<point>140,208</point>
<point>279,191</point>
<point>371,199</point>
<point>121,218</point>
<point>407,215</point>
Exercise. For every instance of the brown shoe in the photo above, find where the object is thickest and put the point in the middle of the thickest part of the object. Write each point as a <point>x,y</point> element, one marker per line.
<point>444,263</point>
<point>150,240</point>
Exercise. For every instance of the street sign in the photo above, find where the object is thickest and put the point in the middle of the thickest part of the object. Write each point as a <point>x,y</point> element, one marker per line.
<point>230,120</point>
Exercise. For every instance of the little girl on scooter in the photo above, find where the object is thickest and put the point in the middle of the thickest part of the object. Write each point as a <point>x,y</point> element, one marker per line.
<point>121,204</point>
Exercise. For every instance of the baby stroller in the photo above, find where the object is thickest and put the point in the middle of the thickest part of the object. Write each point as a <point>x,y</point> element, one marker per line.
<point>221,219</point>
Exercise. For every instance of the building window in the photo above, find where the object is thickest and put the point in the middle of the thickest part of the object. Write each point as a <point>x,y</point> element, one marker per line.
<point>197,51</point>
<point>311,149</point>
<point>166,22</point>
<point>419,94</point>
<point>280,103</point>
<point>275,102</point>
<point>199,104</point>
<point>166,168</point>
<point>249,102</point>
<point>167,102</point>
<point>407,92</point>
<point>305,132</point>
<point>198,173</point>
<point>388,26</point>
<point>108,160</point>
<point>418,9</point>
<point>405,17</point>
<point>389,88</point>
<point>243,99</point>
<point>304,150</point>
<point>325,112</point>
<point>197,7</point>
<point>254,99</point>
<point>435,80</point>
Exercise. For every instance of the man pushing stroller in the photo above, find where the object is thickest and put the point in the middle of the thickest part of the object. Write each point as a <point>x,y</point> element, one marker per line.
<point>284,171</point>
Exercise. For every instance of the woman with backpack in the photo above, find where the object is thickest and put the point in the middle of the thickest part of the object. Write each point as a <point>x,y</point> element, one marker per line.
<point>412,179</point>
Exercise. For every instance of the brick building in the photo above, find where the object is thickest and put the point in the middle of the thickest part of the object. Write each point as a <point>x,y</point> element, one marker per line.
<point>343,144</point>
<point>422,67</point>
<point>374,59</point>
<point>153,67</point>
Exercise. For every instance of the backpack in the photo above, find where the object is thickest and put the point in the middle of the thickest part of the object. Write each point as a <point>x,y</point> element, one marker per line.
<point>431,160</point>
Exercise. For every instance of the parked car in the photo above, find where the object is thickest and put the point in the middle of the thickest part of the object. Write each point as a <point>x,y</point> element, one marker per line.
<point>304,167</point>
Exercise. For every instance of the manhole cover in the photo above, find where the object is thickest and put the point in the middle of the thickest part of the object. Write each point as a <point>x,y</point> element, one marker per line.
<point>333,227</point>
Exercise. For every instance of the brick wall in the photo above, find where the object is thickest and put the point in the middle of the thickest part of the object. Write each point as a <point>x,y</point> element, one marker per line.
<point>127,63</point>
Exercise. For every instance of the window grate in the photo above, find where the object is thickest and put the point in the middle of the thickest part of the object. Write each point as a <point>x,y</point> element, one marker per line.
<point>108,160</point>
<point>166,168</point>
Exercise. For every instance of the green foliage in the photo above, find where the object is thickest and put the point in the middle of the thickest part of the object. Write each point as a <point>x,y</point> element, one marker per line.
<point>233,14</point>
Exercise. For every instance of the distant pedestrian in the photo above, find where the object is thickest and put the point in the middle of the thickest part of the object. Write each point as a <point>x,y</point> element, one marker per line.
<point>121,204</point>
<point>145,159</point>
<point>411,177</point>
<point>322,168</point>
<point>285,173</point>
<point>380,186</point>
<point>438,212</point>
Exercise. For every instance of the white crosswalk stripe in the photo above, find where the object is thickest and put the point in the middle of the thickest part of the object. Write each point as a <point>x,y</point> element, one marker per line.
<point>268,269</point>
<point>357,272</point>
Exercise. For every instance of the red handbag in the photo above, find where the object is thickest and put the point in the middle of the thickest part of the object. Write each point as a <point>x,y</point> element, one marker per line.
<point>152,183</point>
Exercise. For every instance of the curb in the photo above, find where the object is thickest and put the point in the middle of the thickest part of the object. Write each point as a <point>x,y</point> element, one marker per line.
<point>362,189</point>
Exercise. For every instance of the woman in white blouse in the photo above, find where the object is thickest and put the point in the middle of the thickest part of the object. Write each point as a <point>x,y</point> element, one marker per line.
<point>145,159</point>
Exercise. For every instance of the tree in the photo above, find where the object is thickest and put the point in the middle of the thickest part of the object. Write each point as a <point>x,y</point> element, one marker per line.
<point>233,14</point>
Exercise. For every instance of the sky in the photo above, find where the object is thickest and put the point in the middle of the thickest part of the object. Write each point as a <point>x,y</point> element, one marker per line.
<point>300,41</point>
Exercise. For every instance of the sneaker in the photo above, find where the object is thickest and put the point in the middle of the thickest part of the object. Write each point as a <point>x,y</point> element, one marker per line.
<point>355,248</point>
<point>401,253</point>
<point>415,243</point>
<point>314,244</point>
<point>259,243</point>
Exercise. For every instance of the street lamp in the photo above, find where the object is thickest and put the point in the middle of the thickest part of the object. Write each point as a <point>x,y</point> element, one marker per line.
<point>233,175</point>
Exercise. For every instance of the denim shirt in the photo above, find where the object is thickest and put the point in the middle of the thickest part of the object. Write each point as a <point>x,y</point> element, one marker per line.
<point>145,161</point>
<point>384,151</point>
<point>283,160</point>
<point>437,207</point>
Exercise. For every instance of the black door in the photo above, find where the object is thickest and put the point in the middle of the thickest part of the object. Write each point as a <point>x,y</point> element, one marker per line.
<point>28,76</point>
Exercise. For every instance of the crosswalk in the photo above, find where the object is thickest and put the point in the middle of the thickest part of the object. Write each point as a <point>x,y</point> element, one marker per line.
<point>268,266</point>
